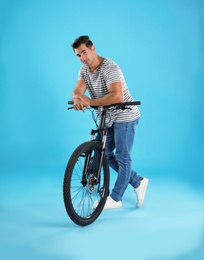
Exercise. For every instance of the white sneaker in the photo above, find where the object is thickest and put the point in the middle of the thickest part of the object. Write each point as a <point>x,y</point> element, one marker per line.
<point>141,191</point>
<point>112,204</point>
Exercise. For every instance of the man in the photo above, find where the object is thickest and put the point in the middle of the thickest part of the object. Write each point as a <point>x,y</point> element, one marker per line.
<point>106,85</point>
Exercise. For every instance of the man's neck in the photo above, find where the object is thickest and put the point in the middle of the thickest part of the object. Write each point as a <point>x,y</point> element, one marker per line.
<point>96,63</point>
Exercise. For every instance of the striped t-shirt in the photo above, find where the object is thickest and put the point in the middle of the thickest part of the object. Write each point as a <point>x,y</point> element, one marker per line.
<point>96,82</point>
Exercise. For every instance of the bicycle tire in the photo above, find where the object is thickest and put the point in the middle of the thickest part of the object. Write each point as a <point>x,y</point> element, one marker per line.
<point>79,197</point>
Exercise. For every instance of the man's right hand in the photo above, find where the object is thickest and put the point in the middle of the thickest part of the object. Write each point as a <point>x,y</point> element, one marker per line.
<point>78,104</point>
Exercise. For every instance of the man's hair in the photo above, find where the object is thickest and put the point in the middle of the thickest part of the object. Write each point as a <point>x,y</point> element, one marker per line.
<point>82,40</point>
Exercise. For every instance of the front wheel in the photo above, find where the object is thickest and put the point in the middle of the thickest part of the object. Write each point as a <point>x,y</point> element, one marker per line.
<point>84,194</point>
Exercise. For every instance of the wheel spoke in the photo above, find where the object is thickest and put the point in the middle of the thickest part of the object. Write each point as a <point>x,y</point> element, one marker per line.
<point>82,191</point>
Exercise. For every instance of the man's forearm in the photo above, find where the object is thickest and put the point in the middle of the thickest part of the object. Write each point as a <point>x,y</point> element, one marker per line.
<point>111,98</point>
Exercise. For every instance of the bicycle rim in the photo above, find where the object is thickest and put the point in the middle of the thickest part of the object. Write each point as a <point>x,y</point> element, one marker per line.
<point>84,198</point>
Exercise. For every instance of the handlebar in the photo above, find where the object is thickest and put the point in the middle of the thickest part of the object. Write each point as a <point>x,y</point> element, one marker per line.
<point>116,105</point>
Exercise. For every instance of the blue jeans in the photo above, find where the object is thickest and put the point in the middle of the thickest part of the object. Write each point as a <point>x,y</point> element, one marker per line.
<point>120,139</point>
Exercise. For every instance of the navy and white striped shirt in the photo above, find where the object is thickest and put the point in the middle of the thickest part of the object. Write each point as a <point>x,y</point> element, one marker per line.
<point>96,82</point>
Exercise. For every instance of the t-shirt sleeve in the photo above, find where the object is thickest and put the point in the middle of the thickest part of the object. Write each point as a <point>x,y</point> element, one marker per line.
<point>112,74</point>
<point>80,75</point>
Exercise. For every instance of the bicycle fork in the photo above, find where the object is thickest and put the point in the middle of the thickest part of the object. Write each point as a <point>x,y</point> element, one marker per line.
<point>97,157</point>
<point>102,137</point>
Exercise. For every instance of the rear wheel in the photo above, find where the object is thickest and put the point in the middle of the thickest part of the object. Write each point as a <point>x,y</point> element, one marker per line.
<point>84,196</point>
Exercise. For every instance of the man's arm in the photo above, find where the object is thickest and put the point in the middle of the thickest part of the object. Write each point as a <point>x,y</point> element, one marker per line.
<point>115,95</point>
<point>78,91</point>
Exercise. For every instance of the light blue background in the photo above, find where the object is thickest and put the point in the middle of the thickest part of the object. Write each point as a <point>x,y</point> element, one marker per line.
<point>159,46</point>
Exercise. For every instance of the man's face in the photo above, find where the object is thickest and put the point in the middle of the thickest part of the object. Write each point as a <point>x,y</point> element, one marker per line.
<point>85,54</point>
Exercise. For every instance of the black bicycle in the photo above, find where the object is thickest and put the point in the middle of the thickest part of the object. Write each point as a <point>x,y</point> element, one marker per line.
<point>87,176</point>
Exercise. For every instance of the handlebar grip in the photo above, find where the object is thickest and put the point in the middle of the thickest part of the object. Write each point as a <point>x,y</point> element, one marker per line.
<point>70,102</point>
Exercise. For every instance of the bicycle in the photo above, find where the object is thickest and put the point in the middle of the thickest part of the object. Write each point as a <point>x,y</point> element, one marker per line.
<point>87,176</point>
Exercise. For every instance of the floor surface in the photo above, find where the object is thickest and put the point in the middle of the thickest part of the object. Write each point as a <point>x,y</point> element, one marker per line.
<point>34,224</point>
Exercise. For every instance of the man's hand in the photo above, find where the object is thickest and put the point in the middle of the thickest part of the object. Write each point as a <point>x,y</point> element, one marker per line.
<point>81,101</point>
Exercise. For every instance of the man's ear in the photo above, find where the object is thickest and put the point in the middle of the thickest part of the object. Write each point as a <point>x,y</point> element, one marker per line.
<point>93,48</point>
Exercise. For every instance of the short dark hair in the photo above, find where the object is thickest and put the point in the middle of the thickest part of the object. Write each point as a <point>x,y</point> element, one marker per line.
<point>82,40</point>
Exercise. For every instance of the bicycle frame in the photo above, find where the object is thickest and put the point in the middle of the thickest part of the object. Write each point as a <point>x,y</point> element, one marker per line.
<point>87,175</point>
<point>102,133</point>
